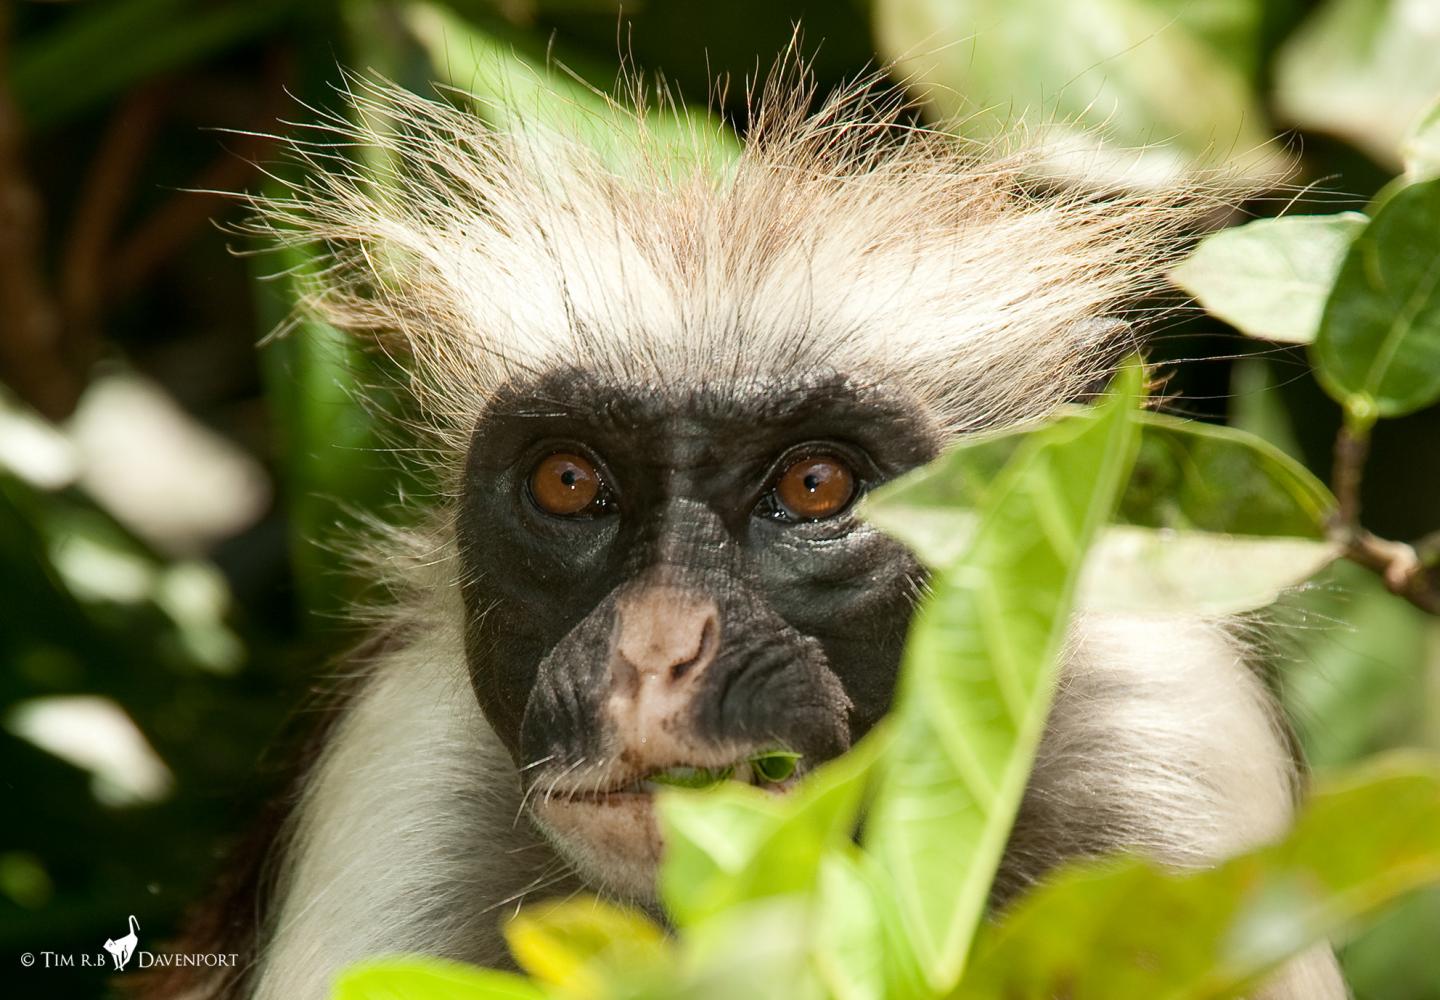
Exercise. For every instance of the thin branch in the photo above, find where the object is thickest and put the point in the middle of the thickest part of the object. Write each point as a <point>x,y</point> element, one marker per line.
<point>1406,570</point>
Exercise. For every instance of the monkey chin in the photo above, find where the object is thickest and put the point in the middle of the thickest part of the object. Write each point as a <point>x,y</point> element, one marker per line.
<point>612,839</point>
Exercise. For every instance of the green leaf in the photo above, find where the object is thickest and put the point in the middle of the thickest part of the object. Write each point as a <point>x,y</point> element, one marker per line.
<point>1421,148</point>
<point>1169,76</point>
<point>757,948</point>
<point>1378,349</point>
<point>978,674</point>
<point>1363,70</point>
<point>860,949</point>
<point>1355,676</point>
<point>430,979</point>
<point>1138,571</point>
<point>1212,520</point>
<point>734,843</point>
<point>1269,278</point>
<point>1194,476</point>
<point>849,953</point>
<point>1132,931</point>
<point>576,944</point>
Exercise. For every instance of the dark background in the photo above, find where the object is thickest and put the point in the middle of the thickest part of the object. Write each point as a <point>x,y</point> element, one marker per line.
<point>116,117</point>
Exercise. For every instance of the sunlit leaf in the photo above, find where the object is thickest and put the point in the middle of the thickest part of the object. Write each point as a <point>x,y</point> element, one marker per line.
<point>1269,278</point>
<point>572,944</point>
<point>850,945</point>
<point>1212,519</point>
<point>1138,570</point>
<point>1169,74</point>
<point>1421,148</point>
<point>978,674</point>
<point>1132,931</point>
<point>1362,70</point>
<point>430,979</point>
<point>756,949</point>
<point>733,843</point>
<point>1378,349</point>
<point>860,949</point>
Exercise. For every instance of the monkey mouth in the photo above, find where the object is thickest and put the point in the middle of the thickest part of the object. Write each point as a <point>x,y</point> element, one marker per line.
<point>773,770</point>
<point>605,824</point>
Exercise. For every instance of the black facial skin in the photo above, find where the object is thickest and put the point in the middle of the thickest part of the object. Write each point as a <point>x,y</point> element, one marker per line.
<point>812,614</point>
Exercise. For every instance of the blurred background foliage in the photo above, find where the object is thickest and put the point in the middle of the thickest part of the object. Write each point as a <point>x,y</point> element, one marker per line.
<point>167,593</point>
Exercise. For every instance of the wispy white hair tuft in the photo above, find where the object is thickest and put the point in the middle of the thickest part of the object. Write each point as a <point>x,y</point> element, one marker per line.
<point>843,238</point>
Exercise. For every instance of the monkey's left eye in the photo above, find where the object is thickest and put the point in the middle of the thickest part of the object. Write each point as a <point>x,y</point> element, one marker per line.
<point>566,484</point>
<point>814,488</point>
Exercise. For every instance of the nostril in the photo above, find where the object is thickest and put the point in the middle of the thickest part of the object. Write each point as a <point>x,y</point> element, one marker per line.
<point>704,650</point>
<point>664,634</point>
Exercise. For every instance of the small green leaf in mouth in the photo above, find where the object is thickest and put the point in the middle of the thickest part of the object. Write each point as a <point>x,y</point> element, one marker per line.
<point>692,777</point>
<point>775,766</point>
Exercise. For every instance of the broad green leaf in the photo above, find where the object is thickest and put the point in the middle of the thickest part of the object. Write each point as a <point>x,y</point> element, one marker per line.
<point>1194,476</point>
<point>734,843</point>
<point>860,949</point>
<point>756,949</point>
<point>849,953</point>
<point>1133,931</point>
<point>1362,70</point>
<point>573,944</point>
<point>1188,475</point>
<point>1378,349</point>
<point>1270,278</point>
<point>1421,148</point>
<point>1356,671</point>
<point>430,979</point>
<point>1170,77</point>
<point>1140,571</point>
<point>1394,958</point>
<point>978,673</point>
<point>1212,520</point>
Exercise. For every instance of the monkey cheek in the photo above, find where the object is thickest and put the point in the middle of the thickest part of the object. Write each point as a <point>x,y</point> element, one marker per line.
<point>614,842</point>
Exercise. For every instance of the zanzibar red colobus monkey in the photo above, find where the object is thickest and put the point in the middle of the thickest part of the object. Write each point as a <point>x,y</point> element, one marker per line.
<point>654,395</point>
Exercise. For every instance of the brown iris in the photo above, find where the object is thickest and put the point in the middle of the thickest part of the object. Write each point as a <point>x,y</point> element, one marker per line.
<point>565,484</point>
<point>816,487</point>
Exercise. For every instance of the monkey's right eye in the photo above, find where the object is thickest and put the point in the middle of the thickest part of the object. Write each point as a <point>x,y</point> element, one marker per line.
<point>566,484</point>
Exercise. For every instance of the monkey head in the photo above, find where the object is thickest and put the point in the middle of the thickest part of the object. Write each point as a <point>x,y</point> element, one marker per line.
<point>656,395</point>
<point>675,577</point>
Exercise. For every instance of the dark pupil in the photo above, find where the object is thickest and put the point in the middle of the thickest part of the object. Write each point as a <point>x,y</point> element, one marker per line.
<point>568,477</point>
<point>812,482</point>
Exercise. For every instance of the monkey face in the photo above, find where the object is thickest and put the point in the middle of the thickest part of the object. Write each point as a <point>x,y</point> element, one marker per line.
<point>659,578</point>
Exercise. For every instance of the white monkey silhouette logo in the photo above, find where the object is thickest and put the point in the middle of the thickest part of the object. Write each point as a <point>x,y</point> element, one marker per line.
<point>121,949</point>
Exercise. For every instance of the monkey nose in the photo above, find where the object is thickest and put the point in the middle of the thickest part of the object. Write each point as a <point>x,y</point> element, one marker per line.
<point>665,639</point>
<point>664,635</point>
